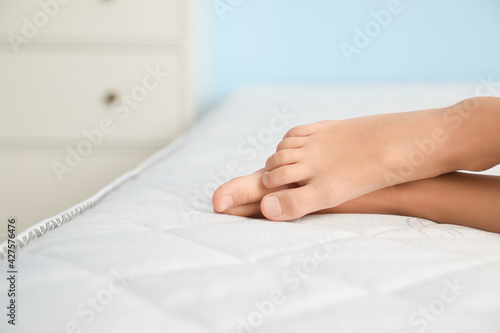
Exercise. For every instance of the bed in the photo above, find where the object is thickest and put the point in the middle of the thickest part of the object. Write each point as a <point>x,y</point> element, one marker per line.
<point>148,254</point>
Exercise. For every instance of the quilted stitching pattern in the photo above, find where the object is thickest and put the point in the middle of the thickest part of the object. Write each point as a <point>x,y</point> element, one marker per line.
<point>195,271</point>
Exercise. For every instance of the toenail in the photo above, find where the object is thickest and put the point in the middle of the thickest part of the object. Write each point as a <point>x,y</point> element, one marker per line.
<point>265,179</point>
<point>226,202</point>
<point>273,206</point>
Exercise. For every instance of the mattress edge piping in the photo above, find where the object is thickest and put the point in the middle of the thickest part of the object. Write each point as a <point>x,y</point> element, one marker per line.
<point>41,228</point>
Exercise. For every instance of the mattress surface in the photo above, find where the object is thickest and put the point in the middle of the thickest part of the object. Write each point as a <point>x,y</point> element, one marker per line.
<point>147,253</point>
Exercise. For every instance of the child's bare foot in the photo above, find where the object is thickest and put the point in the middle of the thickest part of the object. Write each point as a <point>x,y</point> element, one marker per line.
<point>328,163</point>
<point>457,198</point>
<point>242,197</point>
<point>337,161</point>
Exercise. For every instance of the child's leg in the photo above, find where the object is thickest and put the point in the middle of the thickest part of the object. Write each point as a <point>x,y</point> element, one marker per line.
<point>337,161</point>
<point>455,198</point>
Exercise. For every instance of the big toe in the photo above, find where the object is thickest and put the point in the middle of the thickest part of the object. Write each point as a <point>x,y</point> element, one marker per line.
<point>239,191</point>
<point>290,204</point>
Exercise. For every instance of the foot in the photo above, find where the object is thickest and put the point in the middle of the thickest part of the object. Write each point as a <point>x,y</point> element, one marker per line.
<point>323,165</point>
<point>243,196</point>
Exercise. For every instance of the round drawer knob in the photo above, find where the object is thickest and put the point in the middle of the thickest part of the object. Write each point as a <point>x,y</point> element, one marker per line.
<point>110,98</point>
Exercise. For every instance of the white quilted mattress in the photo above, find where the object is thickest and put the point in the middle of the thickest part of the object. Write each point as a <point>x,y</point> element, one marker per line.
<point>147,253</point>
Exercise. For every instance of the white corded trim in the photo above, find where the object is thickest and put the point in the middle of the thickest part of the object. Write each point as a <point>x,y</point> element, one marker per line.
<point>39,229</point>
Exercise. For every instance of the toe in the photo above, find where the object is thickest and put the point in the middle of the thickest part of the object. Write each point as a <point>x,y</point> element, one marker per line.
<point>247,210</point>
<point>239,191</point>
<point>285,175</point>
<point>283,157</point>
<point>300,131</point>
<point>291,143</point>
<point>291,204</point>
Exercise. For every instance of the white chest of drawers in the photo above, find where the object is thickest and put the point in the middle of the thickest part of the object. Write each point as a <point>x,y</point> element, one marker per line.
<point>88,89</point>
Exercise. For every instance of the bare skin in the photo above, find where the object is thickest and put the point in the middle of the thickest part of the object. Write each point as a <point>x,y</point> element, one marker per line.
<point>321,166</point>
<point>454,198</point>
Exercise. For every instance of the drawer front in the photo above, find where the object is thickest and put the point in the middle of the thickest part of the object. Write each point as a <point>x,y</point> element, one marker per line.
<point>31,190</point>
<point>46,96</point>
<point>84,18</point>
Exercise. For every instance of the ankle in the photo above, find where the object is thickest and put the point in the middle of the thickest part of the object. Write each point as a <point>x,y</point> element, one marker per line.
<point>474,137</point>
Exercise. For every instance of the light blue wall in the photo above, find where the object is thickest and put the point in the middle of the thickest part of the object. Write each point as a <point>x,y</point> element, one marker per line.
<point>297,41</point>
